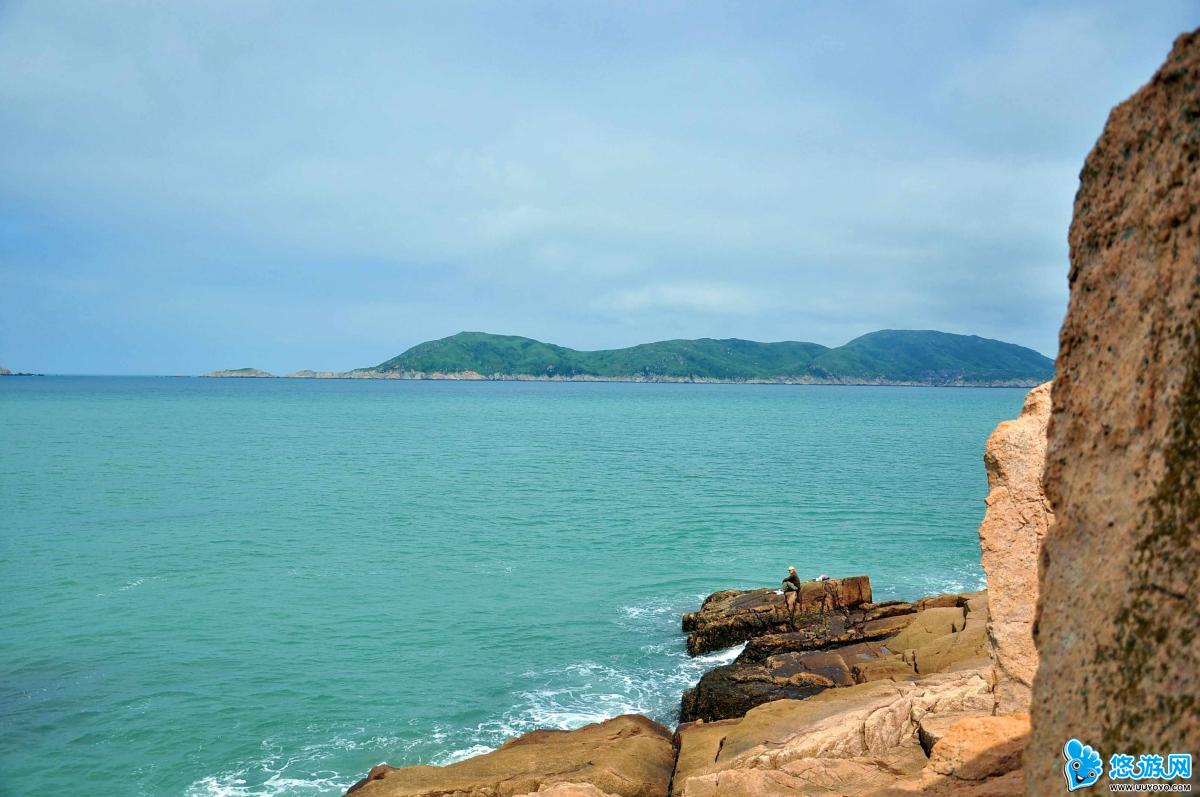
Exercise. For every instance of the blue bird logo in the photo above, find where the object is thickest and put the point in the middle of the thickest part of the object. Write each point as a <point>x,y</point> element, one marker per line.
<point>1083,767</point>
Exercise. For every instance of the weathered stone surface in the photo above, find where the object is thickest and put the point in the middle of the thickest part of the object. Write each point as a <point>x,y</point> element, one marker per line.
<point>787,667</point>
<point>892,667</point>
<point>927,626</point>
<point>733,616</point>
<point>968,647</point>
<point>977,756</point>
<point>1010,535</point>
<point>1117,627</point>
<point>933,727</point>
<point>568,790</point>
<point>977,748</point>
<point>628,756</point>
<point>940,601</point>
<point>805,776</point>
<point>864,735</point>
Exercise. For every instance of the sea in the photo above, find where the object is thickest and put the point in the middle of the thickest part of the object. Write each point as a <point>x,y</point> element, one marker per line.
<point>253,587</point>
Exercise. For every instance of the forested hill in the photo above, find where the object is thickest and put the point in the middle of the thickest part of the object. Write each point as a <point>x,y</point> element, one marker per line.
<point>890,356</point>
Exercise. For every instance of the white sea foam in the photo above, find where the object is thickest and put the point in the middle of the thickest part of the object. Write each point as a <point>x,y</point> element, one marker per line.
<point>454,756</point>
<point>562,698</point>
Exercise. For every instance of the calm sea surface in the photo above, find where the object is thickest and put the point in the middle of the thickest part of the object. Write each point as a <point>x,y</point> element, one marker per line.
<point>265,587</point>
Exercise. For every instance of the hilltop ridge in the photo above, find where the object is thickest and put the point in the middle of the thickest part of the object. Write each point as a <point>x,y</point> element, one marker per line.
<point>903,357</point>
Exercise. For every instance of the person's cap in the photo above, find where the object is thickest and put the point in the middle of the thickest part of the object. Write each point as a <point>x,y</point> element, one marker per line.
<point>791,567</point>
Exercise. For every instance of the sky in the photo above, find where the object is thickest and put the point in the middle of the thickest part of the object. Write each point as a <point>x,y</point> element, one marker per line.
<point>287,185</point>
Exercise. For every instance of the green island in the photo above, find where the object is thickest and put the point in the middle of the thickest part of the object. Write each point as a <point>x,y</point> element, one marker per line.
<point>890,356</point>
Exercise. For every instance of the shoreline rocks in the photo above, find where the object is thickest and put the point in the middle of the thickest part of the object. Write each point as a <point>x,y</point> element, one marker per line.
<point>730,617</point>
<point>628,756</point>
<point>860,737</point>
<point>836,649</point>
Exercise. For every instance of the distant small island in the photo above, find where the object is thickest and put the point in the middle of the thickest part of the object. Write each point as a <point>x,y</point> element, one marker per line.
<point>887,357</point>
<point>242,373</point>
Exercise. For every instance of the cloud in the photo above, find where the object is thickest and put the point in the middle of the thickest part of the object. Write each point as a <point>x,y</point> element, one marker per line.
<point>600,177</point>
<point>691,297</point>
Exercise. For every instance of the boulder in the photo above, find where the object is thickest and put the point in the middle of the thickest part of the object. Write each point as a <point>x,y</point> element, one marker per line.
<point>731,617</point>
<point>978,748</point>
<point>628,756</point>
<point>1116,627</point>
<point>976,756</point>
<point>1010,536</point>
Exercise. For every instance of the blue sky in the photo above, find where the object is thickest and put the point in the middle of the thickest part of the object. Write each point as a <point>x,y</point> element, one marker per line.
<point>286,185</point>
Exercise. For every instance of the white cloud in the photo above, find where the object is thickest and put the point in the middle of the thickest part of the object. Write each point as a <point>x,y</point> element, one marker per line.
<point>693,297</point>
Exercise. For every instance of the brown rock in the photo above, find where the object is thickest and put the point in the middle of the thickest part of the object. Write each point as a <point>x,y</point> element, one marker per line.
<point>789,744</point>
<point>823,654</point>
<point>941,602</point>
<point>568,790</point>
<point>628,756</point>
<point>978,756</point>
<point>968,647</point>
<point>814,776</point>
<point>932,727</point>
<point>886,667</point>
<point>730,617</point>
<point>977,748</point>
<point>1011,538</point>
<point>927,626</point>
<point>1116,633</point>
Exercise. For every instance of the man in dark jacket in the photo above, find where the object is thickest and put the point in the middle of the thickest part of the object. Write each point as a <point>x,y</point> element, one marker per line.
<point>791,589</point>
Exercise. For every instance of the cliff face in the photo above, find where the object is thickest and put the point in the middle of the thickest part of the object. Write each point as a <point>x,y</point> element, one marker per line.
<point>1119,571</point>
<point>1011,534</point>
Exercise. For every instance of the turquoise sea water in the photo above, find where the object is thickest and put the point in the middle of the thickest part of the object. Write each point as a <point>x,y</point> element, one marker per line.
<point>265,587</point>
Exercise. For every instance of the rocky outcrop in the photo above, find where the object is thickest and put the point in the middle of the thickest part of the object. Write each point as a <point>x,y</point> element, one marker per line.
<point>241,373</point>
<point>892,641</point>
<point>733,616</point>
<point>1010,536</point>
<point>629,756</point>
<point>1120,660</point>
<point>840,741</point>
<point>977,756</point>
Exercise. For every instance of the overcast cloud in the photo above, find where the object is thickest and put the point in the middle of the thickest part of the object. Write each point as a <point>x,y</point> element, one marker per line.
<point>321,185</point>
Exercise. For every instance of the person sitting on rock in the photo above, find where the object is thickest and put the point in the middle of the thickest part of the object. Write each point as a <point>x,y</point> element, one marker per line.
<point>791,589</point>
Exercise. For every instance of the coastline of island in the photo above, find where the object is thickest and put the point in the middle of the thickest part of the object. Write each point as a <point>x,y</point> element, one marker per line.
<point>890,357</point>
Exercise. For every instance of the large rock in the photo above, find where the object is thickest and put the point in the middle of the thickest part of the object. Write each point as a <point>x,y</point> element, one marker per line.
<point>730,617</point>
<point>862,646</point>
<point>629,756</point>
<point>977,756</point>
<point>1117,631</point>
<point>839,741</point>
<point>1011,534</point>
